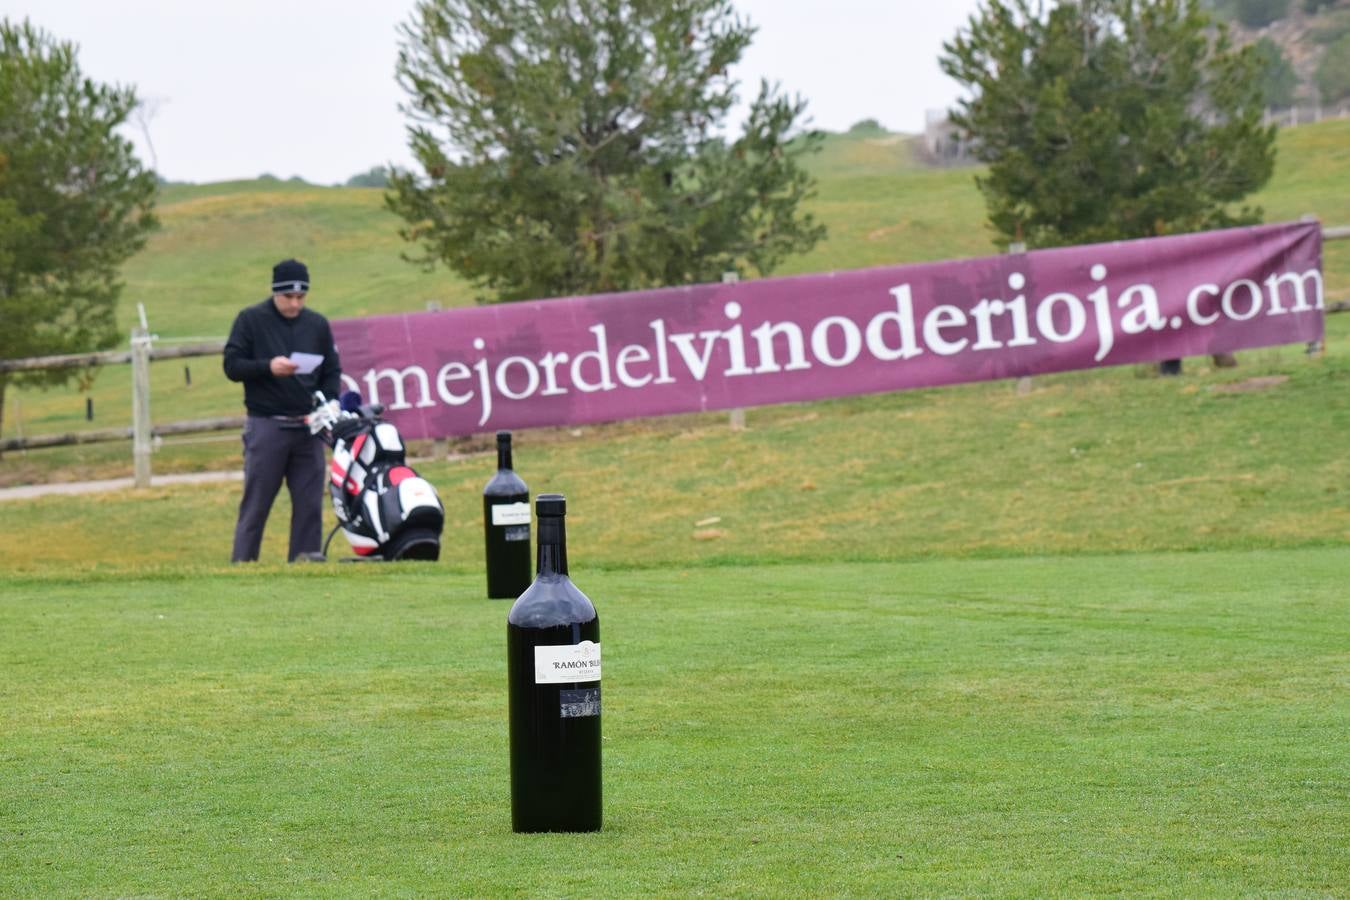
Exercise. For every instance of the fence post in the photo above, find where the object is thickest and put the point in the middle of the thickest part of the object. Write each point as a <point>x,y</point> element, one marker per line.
<point>1312,348</point>
<point>440,447</point>
<point>18,422</point>
<point>737,417</point>
<point>1023,383</point>
<point>140,403</point>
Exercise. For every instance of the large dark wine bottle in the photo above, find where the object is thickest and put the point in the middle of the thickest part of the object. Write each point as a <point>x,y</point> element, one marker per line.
<point>553,673</point>
<point>506,527</point>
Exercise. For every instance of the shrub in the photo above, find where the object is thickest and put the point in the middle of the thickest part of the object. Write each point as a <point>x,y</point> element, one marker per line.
<point>376,176</point>
<point>1278,79</point>
<point>866,126</point>
<point>1333,75</point>
<point>1252,13</point>
<point>1330,28</point>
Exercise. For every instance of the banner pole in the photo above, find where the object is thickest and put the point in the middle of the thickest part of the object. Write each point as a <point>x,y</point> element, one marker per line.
<point>737,417</point>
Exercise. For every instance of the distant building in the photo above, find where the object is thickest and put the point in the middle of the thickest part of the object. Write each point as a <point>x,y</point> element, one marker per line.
<point>942,143</point>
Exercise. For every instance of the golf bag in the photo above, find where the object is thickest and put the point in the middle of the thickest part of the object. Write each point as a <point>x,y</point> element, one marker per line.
<point>384,508</point>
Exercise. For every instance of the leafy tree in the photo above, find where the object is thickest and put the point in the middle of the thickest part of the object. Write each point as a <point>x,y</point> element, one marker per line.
<point>1259,13</point>
<point>1333,73</point>
<point>74,203</point>
<point>1329,28</point>
<point>572,146</point>
<point>1219,9</point>
<point>1109,119</point>
<point>1279,81</point>
<point>866,126</point>
<point>376,176</point>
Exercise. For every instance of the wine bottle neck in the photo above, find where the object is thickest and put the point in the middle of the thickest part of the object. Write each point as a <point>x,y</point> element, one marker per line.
<point>552,548</point>
<point>504,456</point>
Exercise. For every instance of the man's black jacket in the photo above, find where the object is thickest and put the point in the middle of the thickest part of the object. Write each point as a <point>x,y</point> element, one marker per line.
<point>260,332</point>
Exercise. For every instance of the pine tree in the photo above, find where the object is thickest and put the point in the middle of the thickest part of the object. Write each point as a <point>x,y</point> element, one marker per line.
<point>1109,119</point>
<point>74,203</point>
<point>573,146</point>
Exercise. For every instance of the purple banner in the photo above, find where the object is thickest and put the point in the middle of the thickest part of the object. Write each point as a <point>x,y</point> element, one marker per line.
<point>776,340</point>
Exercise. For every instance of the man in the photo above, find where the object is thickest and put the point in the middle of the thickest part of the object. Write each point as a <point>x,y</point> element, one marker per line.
<point>278,393</point>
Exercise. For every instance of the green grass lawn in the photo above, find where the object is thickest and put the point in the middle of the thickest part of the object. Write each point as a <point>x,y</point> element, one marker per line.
<point>1154,723</point>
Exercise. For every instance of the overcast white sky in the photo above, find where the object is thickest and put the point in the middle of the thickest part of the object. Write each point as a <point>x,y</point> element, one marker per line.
<point>305,87</point>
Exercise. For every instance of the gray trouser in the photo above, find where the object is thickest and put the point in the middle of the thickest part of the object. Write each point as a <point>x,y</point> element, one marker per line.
<point>276,450</point>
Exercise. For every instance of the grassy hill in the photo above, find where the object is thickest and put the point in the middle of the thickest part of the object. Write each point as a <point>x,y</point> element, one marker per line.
<point>218,241</point>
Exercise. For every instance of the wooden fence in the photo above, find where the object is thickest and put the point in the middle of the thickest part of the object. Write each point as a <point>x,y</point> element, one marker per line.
<point>142,433</point>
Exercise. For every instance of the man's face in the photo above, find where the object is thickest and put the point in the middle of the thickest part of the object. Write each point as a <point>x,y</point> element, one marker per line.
<point>289,303</point>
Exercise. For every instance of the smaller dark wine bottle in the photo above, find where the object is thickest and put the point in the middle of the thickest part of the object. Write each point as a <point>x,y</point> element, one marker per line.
<point>506,527</point>
<point>553,675</point>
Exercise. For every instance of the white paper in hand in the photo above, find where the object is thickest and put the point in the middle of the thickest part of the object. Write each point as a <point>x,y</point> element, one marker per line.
<point>307,362</point>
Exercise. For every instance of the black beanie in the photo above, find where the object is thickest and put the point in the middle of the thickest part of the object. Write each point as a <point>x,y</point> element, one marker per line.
<point>289,276</point>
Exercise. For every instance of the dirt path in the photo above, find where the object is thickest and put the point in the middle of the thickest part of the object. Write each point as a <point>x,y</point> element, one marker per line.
<point>29,491</point>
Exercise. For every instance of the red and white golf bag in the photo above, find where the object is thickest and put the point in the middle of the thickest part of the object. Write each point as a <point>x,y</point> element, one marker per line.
<point>385,509</point>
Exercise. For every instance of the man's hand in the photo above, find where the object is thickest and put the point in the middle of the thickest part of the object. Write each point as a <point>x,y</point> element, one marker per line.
<point>282,366</point>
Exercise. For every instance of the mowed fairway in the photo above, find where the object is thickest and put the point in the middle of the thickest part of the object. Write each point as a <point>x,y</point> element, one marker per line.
<point>1168,723</point>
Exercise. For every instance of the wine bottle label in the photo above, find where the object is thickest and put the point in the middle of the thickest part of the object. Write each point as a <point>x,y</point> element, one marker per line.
<point>516,533</point>
<point>579,702</point>
<point>567,663</point>
<point>511,514</point>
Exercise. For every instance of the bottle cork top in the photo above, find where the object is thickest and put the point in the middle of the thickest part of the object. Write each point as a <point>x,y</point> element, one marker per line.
<point>550,505</point>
